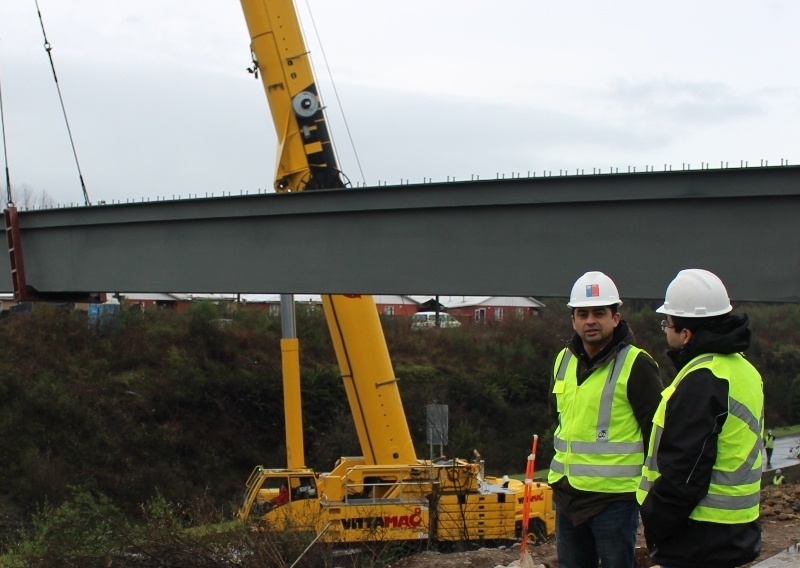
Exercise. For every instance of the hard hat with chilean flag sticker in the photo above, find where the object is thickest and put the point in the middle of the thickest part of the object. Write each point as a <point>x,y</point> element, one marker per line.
<point>594,289</point>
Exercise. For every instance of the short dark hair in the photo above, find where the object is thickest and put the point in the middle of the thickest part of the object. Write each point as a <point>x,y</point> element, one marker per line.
<point>693,324</point>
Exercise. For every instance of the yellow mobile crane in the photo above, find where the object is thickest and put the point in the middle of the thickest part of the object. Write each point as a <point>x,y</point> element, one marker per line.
<point>387,493</point>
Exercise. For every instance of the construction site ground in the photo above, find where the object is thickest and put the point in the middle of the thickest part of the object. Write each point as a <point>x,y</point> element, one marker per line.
<point>780,522</point>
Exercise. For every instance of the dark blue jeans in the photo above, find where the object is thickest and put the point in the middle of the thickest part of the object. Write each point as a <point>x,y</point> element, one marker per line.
<point>609,537</point>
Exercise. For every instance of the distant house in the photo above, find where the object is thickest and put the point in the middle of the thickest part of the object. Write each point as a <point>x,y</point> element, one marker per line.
<point>389,305</point>
<point>402,306</point>
<point>467,309</point>
<point>185,300</point>
<point>172,301</point>
<point>386,304</point>
<point>272,302</point>
<point>147,300</point>
<point>482,309</point>
<point>496,308</point>
<point>432,305</point>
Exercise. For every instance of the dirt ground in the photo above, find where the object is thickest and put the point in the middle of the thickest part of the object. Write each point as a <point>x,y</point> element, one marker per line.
<point>780,524</point>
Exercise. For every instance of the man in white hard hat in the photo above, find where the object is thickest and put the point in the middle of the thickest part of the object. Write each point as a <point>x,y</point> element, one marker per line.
<point>605,391</point>
<point>701,483</point>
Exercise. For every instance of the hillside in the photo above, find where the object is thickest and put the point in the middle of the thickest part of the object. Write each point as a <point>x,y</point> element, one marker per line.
<point>182,406</point>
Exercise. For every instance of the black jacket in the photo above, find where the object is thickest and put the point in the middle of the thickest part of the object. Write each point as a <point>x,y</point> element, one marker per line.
<point>687,451</point>
<point>644,394</point>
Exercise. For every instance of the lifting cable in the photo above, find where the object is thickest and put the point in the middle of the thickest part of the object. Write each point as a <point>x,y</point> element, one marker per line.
<point>10,201</point>
<point>48,49</point>
<point>336,95</point>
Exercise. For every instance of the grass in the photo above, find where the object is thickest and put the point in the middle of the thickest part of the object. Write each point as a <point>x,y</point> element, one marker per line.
<point>786,431</point>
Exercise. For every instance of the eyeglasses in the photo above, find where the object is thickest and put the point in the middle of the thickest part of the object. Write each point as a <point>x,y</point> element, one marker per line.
<point>665,325</point>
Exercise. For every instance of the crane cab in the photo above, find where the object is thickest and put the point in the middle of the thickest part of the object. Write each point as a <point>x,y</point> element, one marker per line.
<point>271,490</point>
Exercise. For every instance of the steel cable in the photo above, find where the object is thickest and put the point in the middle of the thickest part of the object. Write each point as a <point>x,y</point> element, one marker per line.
<point>48,48</point>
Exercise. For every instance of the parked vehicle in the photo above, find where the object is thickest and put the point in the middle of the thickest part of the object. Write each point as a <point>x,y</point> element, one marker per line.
<point>426,320</point>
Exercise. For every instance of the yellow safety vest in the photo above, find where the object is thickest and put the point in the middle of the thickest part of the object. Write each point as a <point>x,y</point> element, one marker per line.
<point>598,443</point>
<point>735,490</point>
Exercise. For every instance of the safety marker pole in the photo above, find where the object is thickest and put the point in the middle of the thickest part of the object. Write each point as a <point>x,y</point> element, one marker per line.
<point>526,502</point>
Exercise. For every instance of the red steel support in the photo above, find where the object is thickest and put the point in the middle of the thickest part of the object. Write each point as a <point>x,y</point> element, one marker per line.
<point>25,293</point>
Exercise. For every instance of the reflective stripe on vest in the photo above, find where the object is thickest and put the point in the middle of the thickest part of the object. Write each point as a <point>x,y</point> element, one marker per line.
<point>733,496</point>
<point>601,464</point>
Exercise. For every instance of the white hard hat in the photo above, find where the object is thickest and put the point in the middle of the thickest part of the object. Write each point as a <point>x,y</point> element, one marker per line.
<point>593,289</point>
<point>696,293</point>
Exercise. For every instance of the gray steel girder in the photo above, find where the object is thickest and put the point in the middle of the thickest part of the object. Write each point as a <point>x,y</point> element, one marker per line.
<point>529,236</point>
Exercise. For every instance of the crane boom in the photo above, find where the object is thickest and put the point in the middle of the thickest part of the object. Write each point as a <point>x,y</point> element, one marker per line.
<point>387,493</point>
<point>306,160</point>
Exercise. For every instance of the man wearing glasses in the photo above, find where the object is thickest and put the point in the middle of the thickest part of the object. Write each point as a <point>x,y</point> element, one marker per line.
<point>701,482</point>
<point>605,392</point>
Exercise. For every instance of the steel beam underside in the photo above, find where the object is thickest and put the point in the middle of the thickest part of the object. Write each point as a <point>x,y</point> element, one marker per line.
<point>515,237</point>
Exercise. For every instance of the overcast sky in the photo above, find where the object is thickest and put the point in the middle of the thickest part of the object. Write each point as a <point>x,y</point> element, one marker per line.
<point>160,103</point>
